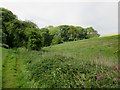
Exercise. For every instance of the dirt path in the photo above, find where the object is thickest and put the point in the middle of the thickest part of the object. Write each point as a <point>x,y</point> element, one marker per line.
<point>10,67</point>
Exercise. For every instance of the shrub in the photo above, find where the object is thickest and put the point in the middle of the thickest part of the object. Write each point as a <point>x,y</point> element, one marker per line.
<point>34,41</point>
<point>57,40</point>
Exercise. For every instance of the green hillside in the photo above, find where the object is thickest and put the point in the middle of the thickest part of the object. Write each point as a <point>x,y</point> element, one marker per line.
<point>77,64</point>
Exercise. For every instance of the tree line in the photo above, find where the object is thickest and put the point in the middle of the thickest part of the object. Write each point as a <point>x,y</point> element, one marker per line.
<point>18,33</point>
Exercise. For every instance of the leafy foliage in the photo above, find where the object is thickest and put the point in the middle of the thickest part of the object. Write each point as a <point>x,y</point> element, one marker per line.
<point>91,32</point>
<point>17,33</point>
<point>57,40</point>
<point>34,40</point>
<point>46,38</point>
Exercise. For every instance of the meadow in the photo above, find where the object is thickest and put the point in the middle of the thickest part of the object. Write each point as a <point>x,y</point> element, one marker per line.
<point>87,63</point>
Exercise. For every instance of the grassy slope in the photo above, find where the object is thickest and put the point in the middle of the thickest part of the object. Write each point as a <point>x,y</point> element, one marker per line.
<point>100,49</point>
<point>84,64</point>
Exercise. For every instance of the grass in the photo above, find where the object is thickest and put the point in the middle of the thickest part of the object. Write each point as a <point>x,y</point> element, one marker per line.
<point>110,35</point>
<point>0,67</point>
<point>89,63</point>
<point>9,69</point>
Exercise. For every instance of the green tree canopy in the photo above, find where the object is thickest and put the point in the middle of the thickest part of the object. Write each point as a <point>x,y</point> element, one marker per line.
<point>17,33</point>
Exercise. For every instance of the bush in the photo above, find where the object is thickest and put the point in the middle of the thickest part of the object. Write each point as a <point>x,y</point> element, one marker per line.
<point>34,41</point>
<point>57,40</point>
<point>46,38</point>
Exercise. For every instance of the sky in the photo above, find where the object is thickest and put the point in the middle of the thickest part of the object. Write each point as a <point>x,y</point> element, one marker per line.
<point>102,15</point>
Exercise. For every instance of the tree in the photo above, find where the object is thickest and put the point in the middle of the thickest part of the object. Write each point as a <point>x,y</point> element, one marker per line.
<point>7,18</point>
<point>81,33</point>
<point>13,30</point>
<point>34,39</point>
<point>29,24</point>
<point>91,32</point>
<point>46,38</point>
<point>17,33</point>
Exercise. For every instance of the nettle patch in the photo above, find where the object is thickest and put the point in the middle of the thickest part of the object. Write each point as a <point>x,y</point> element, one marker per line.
<point>57,72</point>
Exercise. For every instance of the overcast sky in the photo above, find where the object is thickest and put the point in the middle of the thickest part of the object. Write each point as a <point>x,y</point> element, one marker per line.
<point>102,16</point>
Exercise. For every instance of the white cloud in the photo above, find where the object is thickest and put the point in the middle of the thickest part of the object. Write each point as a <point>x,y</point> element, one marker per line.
<point>103,16</point>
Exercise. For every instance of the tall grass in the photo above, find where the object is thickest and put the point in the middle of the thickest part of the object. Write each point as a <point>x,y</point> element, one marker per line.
<point>0,67</point>
<point>78,64</point>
